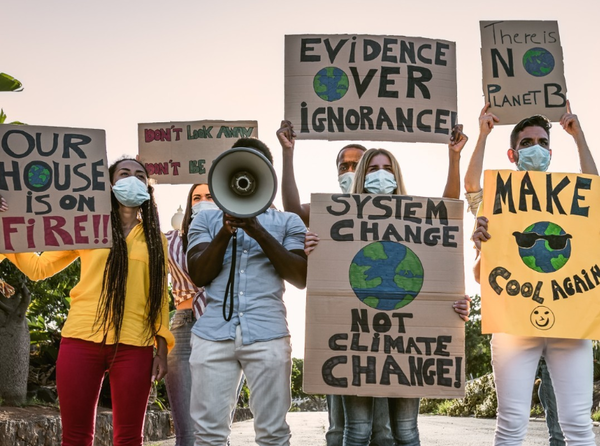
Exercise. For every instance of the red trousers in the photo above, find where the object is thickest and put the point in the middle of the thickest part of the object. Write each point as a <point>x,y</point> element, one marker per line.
<point>80,370</point>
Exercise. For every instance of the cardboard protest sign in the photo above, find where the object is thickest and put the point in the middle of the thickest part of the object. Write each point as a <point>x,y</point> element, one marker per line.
<point>376,88</point>
<point>523,71</point>
<point>381,284</point>
<point>57,186</point>
<point>540,270</point>
<point>182,152</point>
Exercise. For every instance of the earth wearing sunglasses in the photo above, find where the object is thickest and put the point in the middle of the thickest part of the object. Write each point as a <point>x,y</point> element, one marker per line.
<point>544,246</point>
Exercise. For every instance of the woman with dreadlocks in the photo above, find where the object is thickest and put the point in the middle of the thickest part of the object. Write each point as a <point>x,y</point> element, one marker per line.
<point>119,311</point>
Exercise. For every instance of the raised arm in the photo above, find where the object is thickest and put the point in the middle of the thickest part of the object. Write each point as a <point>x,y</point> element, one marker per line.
<point>571,124</point>
<point>289,189</point>
<point>457,141</point>
<point>475,169</point>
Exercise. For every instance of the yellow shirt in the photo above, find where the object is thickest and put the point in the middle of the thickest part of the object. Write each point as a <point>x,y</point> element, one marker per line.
<point>86,294</point>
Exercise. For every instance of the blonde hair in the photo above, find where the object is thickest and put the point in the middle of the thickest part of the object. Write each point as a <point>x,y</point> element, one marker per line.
<point>358,185</point>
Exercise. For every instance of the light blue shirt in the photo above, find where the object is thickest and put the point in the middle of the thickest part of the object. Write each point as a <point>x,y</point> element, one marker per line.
<point>258,292</point>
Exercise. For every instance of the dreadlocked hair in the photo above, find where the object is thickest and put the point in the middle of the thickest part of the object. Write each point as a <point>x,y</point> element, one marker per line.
<point>111,306</point>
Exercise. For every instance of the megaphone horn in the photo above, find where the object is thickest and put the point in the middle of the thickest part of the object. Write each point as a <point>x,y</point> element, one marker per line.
<point>242,182</point>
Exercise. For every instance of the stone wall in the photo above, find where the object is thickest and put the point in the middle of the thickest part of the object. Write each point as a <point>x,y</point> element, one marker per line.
<point>41,426</point>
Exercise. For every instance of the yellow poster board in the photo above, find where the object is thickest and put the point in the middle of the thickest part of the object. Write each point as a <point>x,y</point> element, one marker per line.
<point>540,273</point>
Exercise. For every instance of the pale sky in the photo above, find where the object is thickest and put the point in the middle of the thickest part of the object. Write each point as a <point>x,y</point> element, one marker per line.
<point>113,64</point>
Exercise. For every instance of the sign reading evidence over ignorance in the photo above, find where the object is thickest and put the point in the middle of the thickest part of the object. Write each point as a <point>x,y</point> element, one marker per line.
<point>182,152</point>
<point>381,284</point>
<point>523,71</point>
<point>57,186</point>
<point>540,272</point>
<point>377,88</point>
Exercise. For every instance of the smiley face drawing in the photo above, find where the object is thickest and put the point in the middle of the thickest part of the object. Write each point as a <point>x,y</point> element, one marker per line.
<point>542,318</point>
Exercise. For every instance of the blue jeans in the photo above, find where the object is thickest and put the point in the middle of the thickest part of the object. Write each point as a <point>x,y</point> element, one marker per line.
<point>548,400</point>
<point>179,380</point>
<point>382,433</point>
<point>335,434</point>
<point>403,414</point>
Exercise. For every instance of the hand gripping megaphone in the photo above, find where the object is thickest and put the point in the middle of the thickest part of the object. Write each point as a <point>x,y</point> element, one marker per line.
<point>242,182</point>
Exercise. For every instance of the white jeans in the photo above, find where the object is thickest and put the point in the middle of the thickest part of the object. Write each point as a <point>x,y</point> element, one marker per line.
<point>515,360</point>
<point>216,368</point>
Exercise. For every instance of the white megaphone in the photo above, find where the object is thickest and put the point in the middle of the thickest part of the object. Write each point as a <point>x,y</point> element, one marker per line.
<point>242,182</point>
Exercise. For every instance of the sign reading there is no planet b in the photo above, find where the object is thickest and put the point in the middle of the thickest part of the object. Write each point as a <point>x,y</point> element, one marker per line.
<point>374,88</point>
<point>523,71</point>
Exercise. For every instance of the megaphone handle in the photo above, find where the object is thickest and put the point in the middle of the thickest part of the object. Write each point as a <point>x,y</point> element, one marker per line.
<point>230,282</point>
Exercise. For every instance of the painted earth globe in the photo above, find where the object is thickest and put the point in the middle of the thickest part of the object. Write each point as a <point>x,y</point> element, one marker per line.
<point>386,275</point>
<point>538,62</point>
<point>38,176</point>
<point>331,84</point>
<point>544,247</point>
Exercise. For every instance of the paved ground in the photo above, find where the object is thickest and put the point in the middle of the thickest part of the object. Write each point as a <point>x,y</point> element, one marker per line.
<point>308,429</point>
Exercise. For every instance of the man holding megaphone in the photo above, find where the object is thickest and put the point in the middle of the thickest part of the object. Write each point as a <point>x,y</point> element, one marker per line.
<point>242,254</point>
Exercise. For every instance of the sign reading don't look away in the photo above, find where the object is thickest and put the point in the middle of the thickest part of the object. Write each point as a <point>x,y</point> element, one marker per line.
<point>376,88</point>
<point>182,152</point>
<point>57,187</point>
<point>381,284</point>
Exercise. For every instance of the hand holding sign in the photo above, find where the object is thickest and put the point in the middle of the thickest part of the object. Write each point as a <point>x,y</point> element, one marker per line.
<point>457,139</point>
<point>480,234</point>
<point>570,122</point>
<point>487,120</point>
<point>286,135</point>
<point>3,204</point>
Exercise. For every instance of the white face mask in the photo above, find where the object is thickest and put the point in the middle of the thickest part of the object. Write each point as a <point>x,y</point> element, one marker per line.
<point>131,192</point>
<point>534,158</point>
<point>203,206</point>
<point>345,181</point>
<point>380,182</point>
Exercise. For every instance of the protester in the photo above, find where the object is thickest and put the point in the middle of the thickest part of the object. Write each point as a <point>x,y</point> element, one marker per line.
<point>346,161</point>
<point>190,302</point>
<point>119,311</point>
<point>255,338</point>
<point>515,358</point>
<point>474,196</point>
<point>378,172</point>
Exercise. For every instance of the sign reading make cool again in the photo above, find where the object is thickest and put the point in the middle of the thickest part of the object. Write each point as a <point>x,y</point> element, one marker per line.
<point>378,88</point>
<point>540,271</point>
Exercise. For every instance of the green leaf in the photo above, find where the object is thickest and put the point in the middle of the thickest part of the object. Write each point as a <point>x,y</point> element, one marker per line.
<point>9,83</point>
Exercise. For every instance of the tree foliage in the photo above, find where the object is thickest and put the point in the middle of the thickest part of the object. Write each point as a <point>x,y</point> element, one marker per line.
<point>478,353</point>
<point>9,83</point>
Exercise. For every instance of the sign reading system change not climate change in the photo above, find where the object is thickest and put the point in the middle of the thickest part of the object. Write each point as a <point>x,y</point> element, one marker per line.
<point>376,88</point>
<point>381,284</point>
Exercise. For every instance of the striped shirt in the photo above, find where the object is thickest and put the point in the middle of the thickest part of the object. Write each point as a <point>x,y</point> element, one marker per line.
<point>182,286</point>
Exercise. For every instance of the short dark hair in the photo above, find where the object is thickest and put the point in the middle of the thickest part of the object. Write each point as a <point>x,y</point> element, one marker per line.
<point>256,144</point>
<point>532,121</point>
<point>360,147</point>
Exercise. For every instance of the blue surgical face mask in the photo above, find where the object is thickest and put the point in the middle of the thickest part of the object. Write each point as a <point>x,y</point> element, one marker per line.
<point>131,192</point>
<point>380,182</point>
<point>345,181</point>
<point>203,206</point>
<point>534,158</point>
